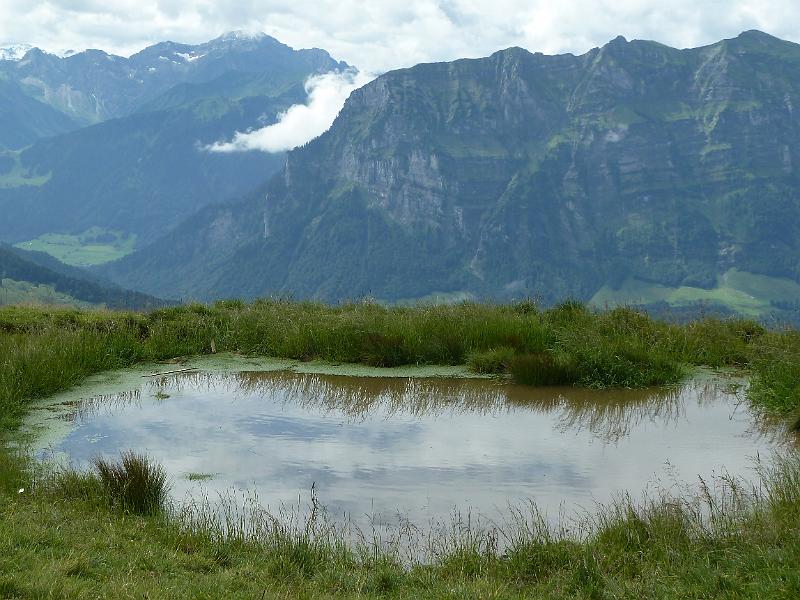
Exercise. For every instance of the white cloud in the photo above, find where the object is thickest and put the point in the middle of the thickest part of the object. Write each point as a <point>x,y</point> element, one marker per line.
<point>302,122</point>
<point>378,36</point>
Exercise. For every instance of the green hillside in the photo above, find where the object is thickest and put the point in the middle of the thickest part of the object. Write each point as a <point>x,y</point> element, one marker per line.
<point>37,278</point>
<point>745,293</point>
<point>26,293</point>
<point>24,119</point>
<point>92,247</point>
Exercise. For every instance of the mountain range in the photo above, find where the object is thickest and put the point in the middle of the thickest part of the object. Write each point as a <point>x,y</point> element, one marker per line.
<point>634,173</point>
<point>111,143</point>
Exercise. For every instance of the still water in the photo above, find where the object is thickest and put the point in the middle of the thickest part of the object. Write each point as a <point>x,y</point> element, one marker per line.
<point>374,447</point>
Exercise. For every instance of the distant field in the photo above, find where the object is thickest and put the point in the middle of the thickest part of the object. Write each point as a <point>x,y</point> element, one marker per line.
<point>746,293</point>
<point>23,292</point>
<point>13,174</point>
<point>94,246</point>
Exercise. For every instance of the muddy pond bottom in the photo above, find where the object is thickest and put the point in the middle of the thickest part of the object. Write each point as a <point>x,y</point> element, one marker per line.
<point>374,448</point>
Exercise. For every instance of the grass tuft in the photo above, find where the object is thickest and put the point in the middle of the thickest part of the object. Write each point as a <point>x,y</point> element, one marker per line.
<point>134,484</point>
<point>494,361</point>
<point>543,369</point>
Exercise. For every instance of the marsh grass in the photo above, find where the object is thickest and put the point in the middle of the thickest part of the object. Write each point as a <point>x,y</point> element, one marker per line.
<point>775,380</point>
<point>495,361</point>
<point>543,369</point>
<point>13,466</point>
<point>134,483</point>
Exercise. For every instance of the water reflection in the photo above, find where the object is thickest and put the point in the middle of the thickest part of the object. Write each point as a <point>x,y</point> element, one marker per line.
<point>606,414</point>
<point>420,446</point>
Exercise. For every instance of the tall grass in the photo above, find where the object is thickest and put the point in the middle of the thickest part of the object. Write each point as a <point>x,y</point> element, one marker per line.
<point>775,381</point>
<point>542,369</point>
<point>494,361</point>
<point>134,484</point>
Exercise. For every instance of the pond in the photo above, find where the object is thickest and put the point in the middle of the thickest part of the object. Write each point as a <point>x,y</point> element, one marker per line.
<point>374,448</point>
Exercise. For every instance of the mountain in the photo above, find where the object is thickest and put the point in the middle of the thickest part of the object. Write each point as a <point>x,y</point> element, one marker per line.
<point>634,168</point>
<point>133,177</point>
<point>39,278</point>
<point>93,86</point>
<point>23,119</point>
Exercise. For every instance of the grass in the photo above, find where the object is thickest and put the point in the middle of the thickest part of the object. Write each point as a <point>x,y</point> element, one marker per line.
<point>94,246</point>
<point>101,534</point>
<point>542,369</point>
<point>725,541</point>
<point>494,361</point>
<point>775,383</point>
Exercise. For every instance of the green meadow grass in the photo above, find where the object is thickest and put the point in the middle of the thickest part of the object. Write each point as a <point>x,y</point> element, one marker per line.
<point>92,247</point>
<point>61,537</point>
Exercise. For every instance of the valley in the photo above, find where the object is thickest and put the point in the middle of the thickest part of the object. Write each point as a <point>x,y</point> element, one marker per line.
<point>92,247</point>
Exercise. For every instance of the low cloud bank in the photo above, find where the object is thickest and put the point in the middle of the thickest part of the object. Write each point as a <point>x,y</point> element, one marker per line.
<point>300,123</point>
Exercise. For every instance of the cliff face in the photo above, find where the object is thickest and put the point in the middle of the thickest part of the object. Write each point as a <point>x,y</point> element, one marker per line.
<point>522,174</point>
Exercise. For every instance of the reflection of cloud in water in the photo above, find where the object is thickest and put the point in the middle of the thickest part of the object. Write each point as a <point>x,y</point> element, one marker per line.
<point>421,446</point>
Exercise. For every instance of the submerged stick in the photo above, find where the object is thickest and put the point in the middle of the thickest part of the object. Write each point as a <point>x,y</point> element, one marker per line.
<point>170,372</point>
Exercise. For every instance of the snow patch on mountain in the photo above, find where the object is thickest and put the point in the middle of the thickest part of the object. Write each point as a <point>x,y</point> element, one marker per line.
<point>189,57</point>
<point>14,51</point>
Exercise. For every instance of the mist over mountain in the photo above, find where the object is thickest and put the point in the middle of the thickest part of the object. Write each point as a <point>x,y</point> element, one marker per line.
<point>633,169</point>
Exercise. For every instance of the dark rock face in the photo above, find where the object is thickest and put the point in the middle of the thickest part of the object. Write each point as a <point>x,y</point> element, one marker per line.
<point>522,174</point>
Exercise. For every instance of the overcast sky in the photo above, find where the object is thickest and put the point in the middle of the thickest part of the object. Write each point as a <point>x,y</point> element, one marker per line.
<point>384,34</point>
